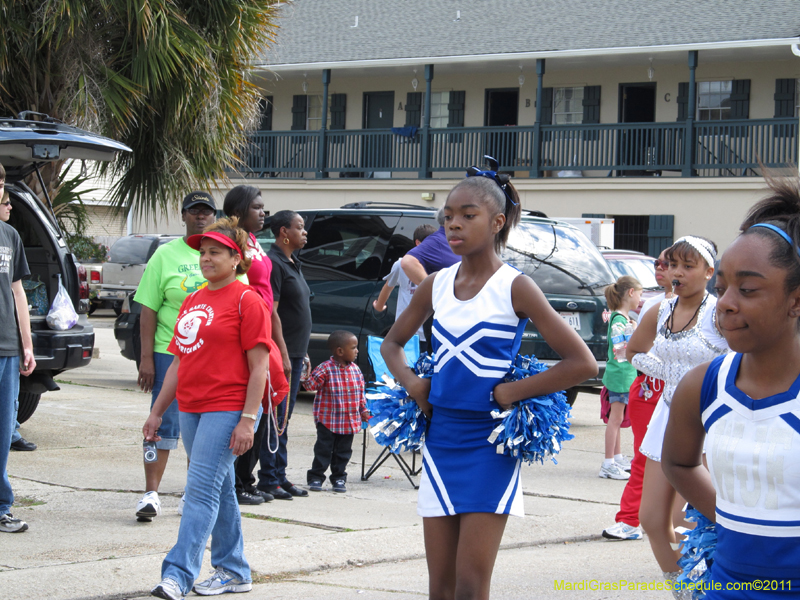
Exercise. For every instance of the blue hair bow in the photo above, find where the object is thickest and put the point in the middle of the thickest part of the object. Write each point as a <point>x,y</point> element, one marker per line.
<point>501,180</point>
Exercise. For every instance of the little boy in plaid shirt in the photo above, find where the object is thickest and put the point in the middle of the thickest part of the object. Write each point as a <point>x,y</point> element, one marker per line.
<point>339,409</point>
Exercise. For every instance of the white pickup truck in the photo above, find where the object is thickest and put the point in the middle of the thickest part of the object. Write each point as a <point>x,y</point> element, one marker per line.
<point>127,260</point>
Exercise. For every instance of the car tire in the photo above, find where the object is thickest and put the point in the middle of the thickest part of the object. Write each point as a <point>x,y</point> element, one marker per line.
<point>118,308</point>
<point>572,394</point>
<point>27,405</point>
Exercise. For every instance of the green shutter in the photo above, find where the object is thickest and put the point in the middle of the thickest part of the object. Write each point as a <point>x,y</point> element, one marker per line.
<point>455,109</point>
<point>338,110</point>
<point>414,109</point>
<point>785,90</point>
<point>591,109</point>
<point>683,100</point>
<point>784,97</point>
<point>299,112</point>
<point>740,99</point>
<point>265,110</point>
<point>659,233</point>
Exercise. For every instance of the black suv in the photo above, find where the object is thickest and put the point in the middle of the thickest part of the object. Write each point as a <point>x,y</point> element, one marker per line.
<point>351,249</point>
<point>24,147</point>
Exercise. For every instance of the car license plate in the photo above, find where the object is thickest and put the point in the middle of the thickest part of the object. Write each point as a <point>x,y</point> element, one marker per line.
<point>573,319</point>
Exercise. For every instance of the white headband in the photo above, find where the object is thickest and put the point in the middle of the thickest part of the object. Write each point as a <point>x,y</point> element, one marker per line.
<point>704,248</point>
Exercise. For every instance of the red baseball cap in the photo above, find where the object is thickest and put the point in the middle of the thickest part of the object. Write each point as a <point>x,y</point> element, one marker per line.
<point>194,241</point>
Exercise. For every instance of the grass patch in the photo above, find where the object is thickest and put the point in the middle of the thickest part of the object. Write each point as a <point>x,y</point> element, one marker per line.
<point>26,502</point>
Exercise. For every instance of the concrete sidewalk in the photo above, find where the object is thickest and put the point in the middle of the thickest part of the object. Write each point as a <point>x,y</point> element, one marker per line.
<point>79,490</point>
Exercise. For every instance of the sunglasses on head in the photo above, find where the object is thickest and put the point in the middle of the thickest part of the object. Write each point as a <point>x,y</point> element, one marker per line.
<point>664,264</point>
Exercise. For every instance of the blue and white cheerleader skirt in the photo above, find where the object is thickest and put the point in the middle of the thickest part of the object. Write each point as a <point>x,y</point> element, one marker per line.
<point>461,470</point>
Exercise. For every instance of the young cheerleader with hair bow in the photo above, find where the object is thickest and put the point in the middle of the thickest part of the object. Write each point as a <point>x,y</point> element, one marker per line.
<point>669,342</point>
<point>746,407</point>
<point>481,306</point>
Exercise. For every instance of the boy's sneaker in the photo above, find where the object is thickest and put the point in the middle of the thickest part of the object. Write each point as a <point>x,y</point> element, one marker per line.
<point>10,524</point>
<point>221,582</point>
<point>168,589</point>
<point>148,507</point>
<point>624,464</point>
<point>613,471</point>
<point>248,498</point>
<point>622,531</point>
<point>339,486</point>
<point>315,485</point>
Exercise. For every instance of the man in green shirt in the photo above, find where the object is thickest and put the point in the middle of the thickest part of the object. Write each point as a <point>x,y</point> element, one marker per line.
<point>172,273</point>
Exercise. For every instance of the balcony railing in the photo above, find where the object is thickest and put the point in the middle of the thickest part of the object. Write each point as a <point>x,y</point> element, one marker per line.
<point>719,148</point>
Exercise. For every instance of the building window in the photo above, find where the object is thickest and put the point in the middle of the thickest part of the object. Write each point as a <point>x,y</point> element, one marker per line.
<point>567,105</point>
<point>314,113</point>
<point>439,110</point>
<point>714,100</point>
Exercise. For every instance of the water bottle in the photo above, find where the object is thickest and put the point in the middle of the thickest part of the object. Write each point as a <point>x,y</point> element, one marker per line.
<point>620,334</point>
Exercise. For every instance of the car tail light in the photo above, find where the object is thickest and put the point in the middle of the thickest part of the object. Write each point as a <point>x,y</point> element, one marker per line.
<point>126,305</point>
<point>83,284</point>
<point>96,277</point>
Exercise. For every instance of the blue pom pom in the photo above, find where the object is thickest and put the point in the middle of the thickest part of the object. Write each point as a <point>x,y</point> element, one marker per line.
<point>697,551</point>
<point>397,422</point>
<point>532,429</point>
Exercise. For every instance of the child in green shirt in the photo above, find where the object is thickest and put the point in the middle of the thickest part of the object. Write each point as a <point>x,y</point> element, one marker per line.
<point>622,297</point>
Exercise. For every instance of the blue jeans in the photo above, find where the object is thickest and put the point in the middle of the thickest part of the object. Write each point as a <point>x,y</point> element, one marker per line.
<point>211,508</point>
<point>170,428</point>
<point>273,466</point>
<point>9,390</point>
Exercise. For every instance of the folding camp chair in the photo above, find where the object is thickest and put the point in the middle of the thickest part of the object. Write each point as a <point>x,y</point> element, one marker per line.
<point>379,367</point>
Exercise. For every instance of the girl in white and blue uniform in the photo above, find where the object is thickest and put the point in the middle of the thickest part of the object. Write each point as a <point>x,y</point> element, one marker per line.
<point>747,406</point>
<point>480,307</point>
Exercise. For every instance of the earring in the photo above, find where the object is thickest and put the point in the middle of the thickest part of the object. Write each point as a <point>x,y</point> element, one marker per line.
<point>285,241</point>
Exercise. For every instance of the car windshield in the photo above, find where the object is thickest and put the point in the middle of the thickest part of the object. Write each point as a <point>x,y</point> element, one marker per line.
<point>640,268</point>
<point>561,260</point>
<point>130,250</point>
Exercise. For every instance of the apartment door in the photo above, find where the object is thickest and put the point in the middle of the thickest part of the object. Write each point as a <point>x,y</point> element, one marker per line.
<point>502,110</point>
<point>638,147</point>
<point>376,151</point>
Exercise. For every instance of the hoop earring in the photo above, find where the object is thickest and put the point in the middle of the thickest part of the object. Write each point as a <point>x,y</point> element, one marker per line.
<point>285,241</point>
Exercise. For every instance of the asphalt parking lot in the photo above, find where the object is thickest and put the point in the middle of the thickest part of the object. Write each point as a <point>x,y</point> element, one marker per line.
<point>78,493</point>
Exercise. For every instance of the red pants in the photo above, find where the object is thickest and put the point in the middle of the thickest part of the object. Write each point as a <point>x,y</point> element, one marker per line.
<point>639,411</point>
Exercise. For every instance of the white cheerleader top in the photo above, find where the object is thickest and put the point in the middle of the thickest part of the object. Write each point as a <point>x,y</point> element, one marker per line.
<point>752,448</point>
<point>675,354</point>
<point>474,341</point>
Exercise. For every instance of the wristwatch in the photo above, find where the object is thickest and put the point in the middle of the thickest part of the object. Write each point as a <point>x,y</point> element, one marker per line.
<point>249,416</point>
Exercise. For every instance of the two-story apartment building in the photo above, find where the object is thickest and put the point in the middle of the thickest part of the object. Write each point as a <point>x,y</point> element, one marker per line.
<point>656,114</point>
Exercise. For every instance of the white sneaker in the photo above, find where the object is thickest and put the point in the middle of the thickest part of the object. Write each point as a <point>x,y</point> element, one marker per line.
<point>168,589</point>
<point>181,504</point>
<point>613,471</point>
<point>624,464</point>
<point>148,507</point>
<point>10,524</point>
<point>623,531</point>
<point>221,582</point>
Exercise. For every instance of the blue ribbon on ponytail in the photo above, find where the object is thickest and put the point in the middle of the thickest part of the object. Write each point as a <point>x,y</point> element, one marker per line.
<point>501,180</point>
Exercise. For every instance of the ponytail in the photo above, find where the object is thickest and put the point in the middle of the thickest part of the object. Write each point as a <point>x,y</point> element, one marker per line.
<point>616,291</point>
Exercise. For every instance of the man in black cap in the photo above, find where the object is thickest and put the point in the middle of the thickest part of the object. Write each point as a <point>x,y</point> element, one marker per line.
<point>172,273</point>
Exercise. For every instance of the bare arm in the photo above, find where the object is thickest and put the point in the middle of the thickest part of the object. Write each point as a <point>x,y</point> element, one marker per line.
<point>406,325</point>
<point>644,335</point>
<point>413,269</point>
<point>380,303</point>
<point>277,337</point>
<point>258,362</point>
<point>165,398</point>
<point>682,455</point>
<point>28,362</point>
<point>577,363</point>
<point>148,321</point>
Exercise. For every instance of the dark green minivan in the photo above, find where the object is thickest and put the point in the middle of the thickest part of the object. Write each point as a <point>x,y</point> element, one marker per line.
<point>351,249</point>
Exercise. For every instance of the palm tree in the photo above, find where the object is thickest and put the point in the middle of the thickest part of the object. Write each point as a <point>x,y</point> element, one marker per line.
<point>169,78</point>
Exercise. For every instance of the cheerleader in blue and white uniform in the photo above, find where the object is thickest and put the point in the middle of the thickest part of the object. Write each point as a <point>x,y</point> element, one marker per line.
<point>480,308</point>
<point>747,406</point>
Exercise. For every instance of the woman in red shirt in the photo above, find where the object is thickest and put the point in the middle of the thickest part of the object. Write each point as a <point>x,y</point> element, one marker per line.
<point>218,376</point>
